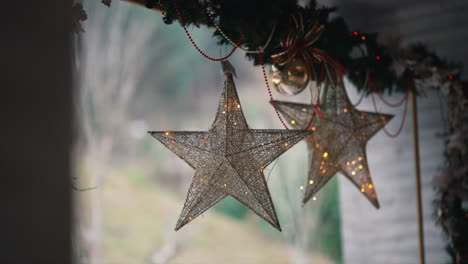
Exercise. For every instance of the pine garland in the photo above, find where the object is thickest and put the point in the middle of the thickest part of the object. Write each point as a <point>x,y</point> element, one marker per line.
<point>357,51</point>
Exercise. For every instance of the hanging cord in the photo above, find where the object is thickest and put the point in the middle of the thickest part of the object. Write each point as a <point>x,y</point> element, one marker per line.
<point>271,170</point>
<point>374,89</point>
<point>363,92</point>
<point>182,23</point>
<point>400,128</point>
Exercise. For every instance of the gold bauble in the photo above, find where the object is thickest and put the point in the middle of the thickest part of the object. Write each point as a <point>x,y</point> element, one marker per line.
<point>291,78</point>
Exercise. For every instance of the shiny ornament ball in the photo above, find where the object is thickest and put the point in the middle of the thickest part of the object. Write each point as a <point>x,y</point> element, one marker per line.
<point>291,78</point>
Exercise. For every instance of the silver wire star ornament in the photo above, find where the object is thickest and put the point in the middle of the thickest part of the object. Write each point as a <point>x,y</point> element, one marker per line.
<point>338,143</point>
<point>229,158</point>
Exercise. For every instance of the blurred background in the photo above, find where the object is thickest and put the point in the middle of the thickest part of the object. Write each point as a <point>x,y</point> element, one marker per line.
<point>134,74</point>
<point>131,73</point>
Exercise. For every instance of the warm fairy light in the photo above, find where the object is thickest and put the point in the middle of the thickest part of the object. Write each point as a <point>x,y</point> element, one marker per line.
<point>235,123</point>
<point>225,105</point>
<point>360,166</point>
<point>314,198</point>
<point>371,186</point>
<point>167,133</point>
<point>238,106</point>
<point>224,112</point>
<point>363,37</point>
<point>202,180</point>
<point>359,158</point>
<point>286,144</point>
<point>302,187</point>
<point>345,110</point>
<point>347,163</point>
<point>313,129</point>
<point>323,162</point>
<point>225,185</point>
<point>262,167</point>
<point>317,145</point>
<point>325,155</point>
<point>353,173</point>
<point>304,109</point>
<point>324,170</point>
<point>363,190</point>
<point>311,182</point>
<point>293,122</point>
<point>353,162</point>
<point>190,218</point>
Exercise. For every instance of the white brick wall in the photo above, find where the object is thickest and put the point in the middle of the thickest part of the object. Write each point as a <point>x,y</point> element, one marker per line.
<point>389,235</point>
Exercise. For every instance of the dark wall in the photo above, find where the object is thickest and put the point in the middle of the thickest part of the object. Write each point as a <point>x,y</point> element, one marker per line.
<point>36,132</point>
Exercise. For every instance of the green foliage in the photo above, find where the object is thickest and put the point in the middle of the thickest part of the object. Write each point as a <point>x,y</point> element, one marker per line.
<point>229,206</point>
<point>330,222</point>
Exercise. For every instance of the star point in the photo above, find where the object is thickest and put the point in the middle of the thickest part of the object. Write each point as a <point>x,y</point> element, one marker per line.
<point>339,141</point>
<point>229,159</point>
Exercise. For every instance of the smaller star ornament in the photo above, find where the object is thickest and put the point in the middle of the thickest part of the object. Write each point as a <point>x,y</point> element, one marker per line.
<point>338,143</point>
<point>229,158</point>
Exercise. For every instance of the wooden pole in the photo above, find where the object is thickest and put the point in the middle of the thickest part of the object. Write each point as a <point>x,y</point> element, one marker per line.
<point>418,180</point>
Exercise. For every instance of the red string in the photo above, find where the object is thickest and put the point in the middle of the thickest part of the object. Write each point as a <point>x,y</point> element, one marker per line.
<point>182,23</point>
<point>400,128</point>
<point>260,57</point>
<point>374,88</point>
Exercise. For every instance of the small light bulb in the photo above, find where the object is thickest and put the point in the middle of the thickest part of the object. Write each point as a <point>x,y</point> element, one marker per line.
<point>345,110</point>
<point>371,186</point>
<point>353,173</point>
<point>286,144</point>
<point>363,190</point>
<point>314,198</point>
<point>311,182</point>
<point>293,122</point>
<point>313,129</point>
<point>224,112</point>
<point>360,167</point>
<point>302,187</point>
<point>324,170</point>
<point>238,106</point>
<point>304,109</point>
<point>202,180</point>
<point>225,185</point>
<point>359,158</point>
<point>325,154</point>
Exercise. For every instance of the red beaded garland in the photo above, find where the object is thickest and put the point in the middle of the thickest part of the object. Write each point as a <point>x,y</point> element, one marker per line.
<point>181,21</point>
